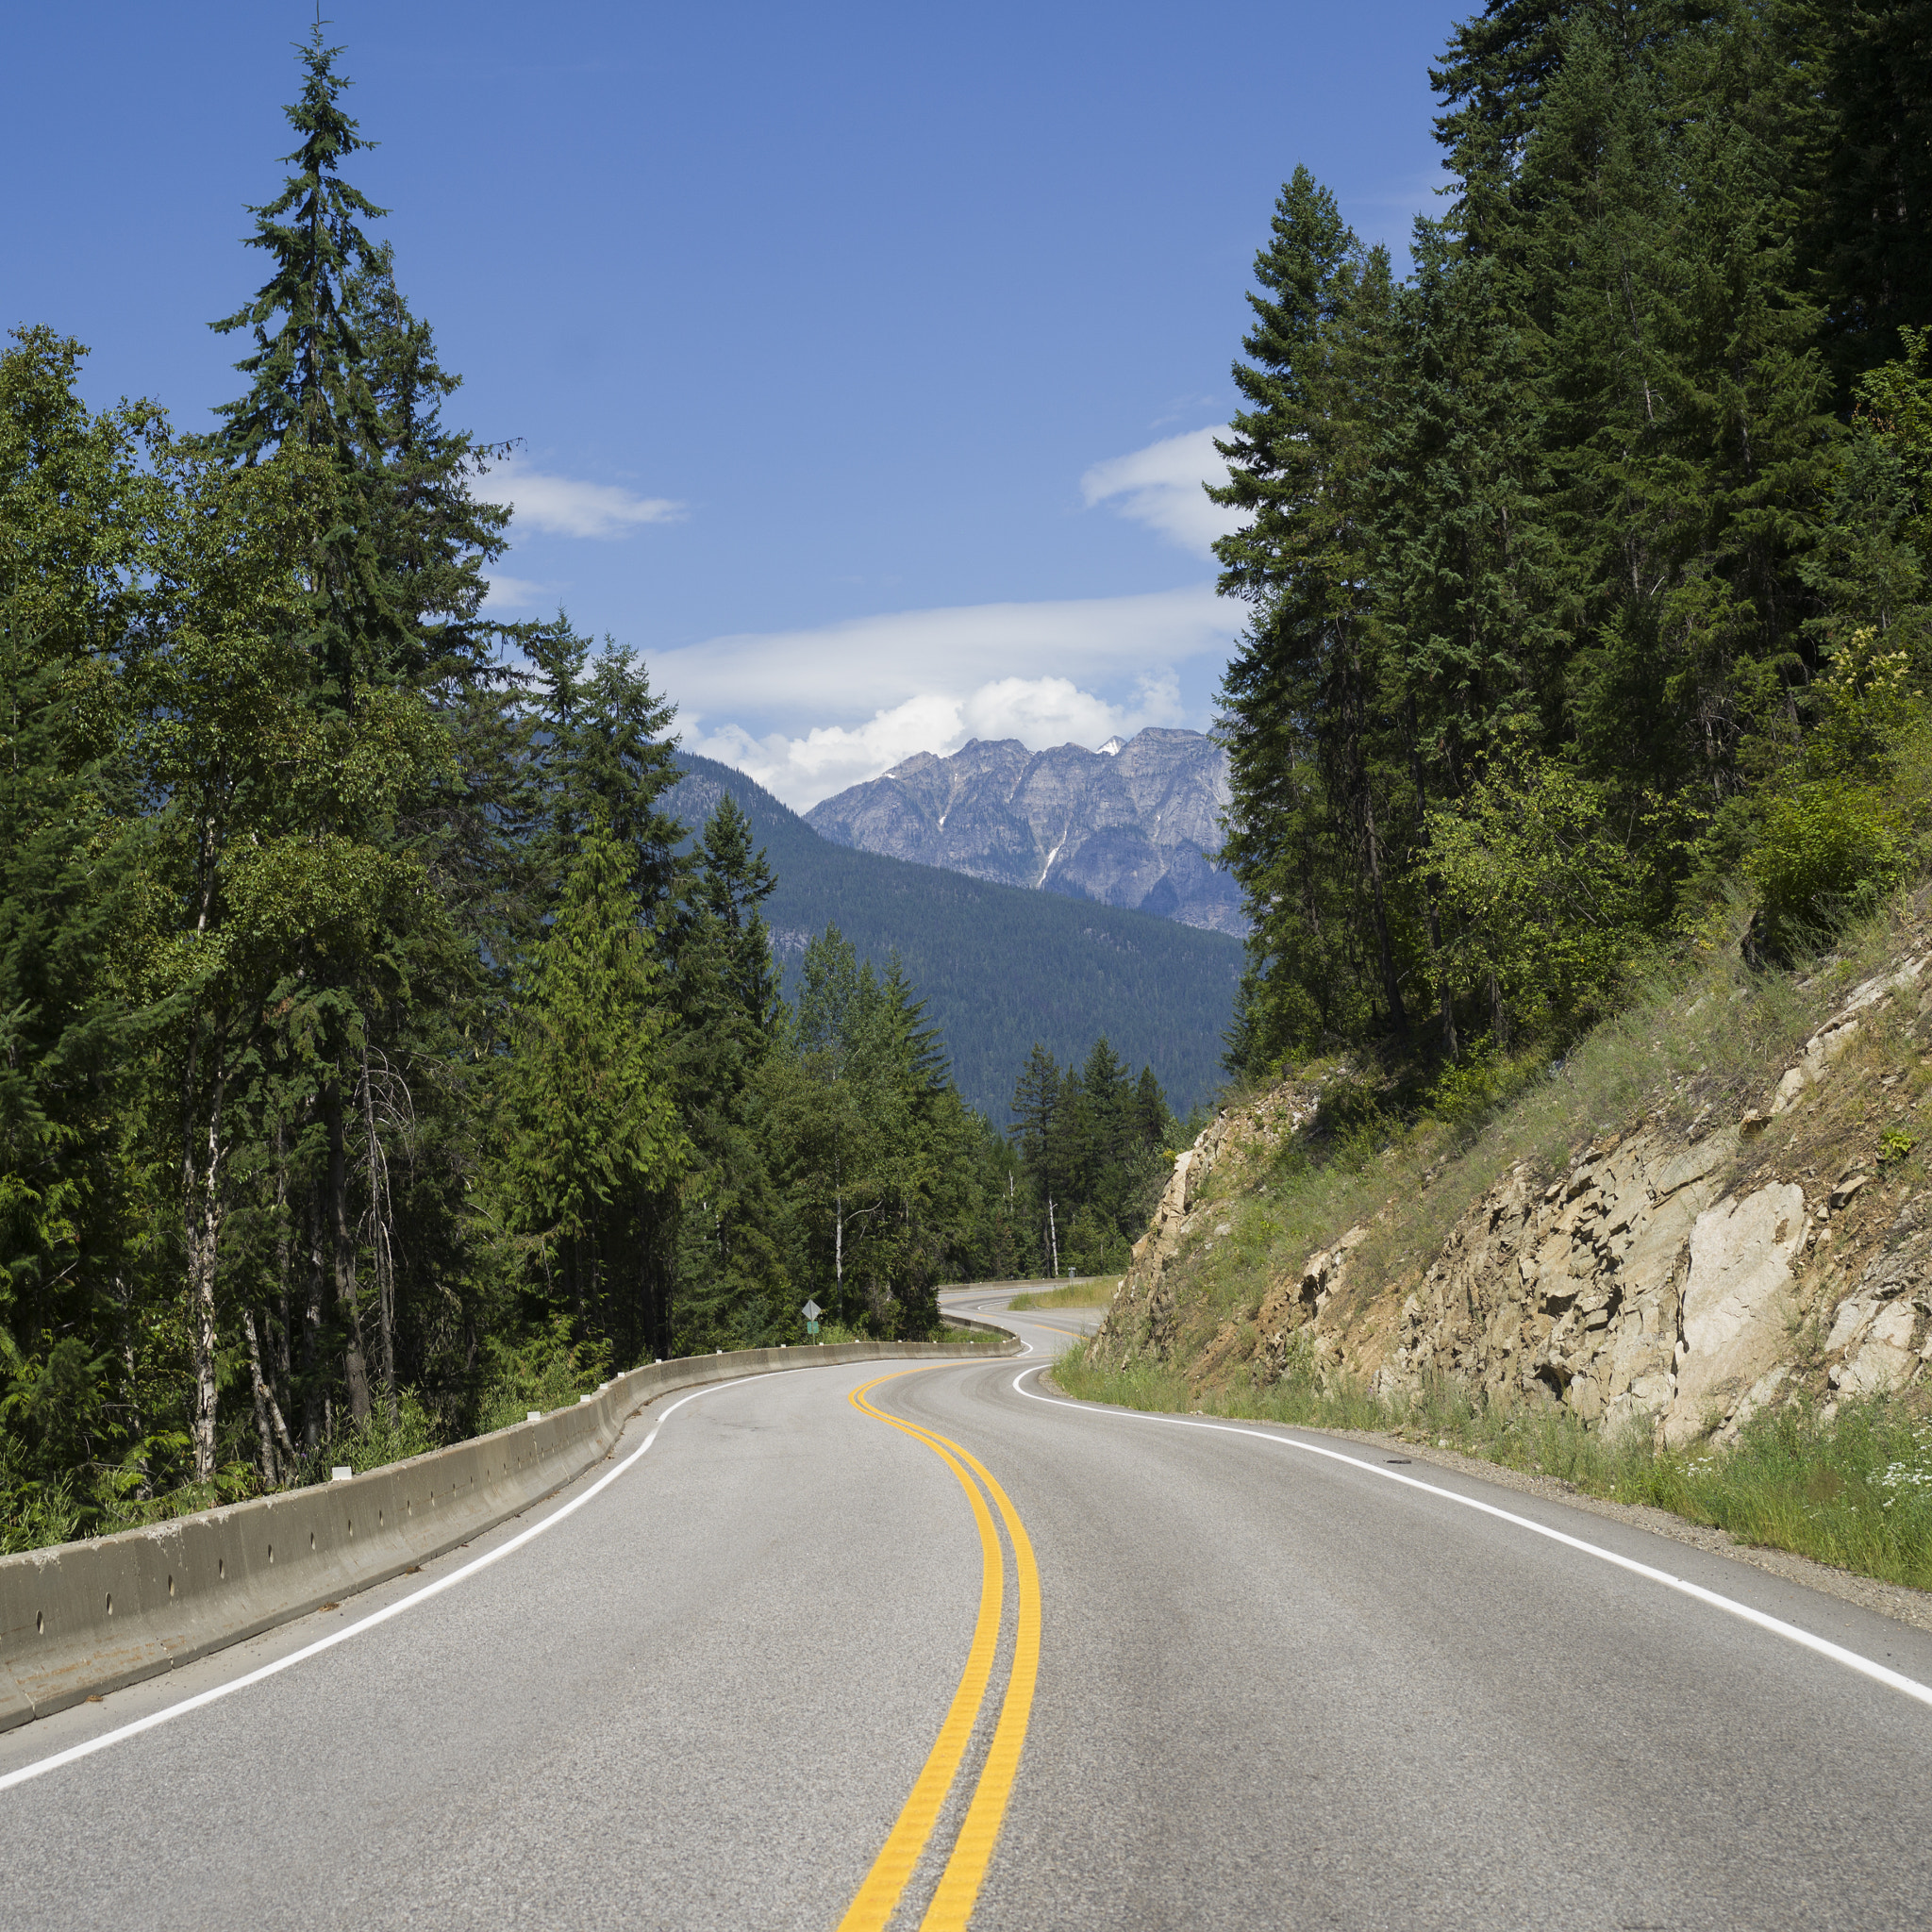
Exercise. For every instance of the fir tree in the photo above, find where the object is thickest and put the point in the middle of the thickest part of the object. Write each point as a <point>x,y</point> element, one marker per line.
<point>591,1131</point>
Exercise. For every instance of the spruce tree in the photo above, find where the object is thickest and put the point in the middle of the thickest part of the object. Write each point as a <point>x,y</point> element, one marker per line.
<point>1309,821</point>
<point>309,385</point>
<point>590,1129</point>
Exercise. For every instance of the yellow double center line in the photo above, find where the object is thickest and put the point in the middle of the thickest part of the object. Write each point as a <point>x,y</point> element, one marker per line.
<point>958,1887</point>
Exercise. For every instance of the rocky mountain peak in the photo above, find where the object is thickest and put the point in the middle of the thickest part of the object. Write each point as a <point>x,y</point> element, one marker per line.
<point>1135,824</point>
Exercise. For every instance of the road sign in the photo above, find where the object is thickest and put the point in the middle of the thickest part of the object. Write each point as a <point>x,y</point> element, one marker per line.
<point>811,1312</point>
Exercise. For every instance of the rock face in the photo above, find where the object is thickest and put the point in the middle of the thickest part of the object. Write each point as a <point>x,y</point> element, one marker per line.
<point>1633,1288</point>
<point>1135,825</point>
<point>1142,1311</point>
<point>1662,1283</point>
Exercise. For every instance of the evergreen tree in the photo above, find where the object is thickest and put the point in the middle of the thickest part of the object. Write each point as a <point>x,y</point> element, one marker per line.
<point>1873,226</point>
<point>591,1128</point>
<point>1309,822</point>
<point>78,507</point>
<point>309,385</point>
<point>733,1274</point>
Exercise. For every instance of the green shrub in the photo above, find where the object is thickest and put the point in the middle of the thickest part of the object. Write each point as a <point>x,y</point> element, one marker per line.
<point>1827,848</point>
<point>544,1369</point>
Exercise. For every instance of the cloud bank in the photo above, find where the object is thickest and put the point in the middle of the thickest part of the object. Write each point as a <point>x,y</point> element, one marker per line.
<point>1075,670</point>
<point>1161,486</point>
<point>930,680</point>
<point>868,664</point>
<point>564,507</point>
<point>1037,710</point>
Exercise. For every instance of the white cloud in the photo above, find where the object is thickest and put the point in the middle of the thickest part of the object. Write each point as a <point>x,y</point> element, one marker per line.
<point>876,664</point>
<point>1161,486</point>
<point>566,507</point>
<point>514,594</point>
<point>1039,711</point>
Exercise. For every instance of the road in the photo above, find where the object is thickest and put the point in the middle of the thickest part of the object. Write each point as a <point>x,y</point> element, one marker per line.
<point>955,1645</point>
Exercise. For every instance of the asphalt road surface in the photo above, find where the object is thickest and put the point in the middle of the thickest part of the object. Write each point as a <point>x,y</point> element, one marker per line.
<point>845,1649</point>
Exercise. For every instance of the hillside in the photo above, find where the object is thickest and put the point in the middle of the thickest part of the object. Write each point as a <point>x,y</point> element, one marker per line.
<point>1133,825</point>
<point>1706,1231</point>
<point>999,967</point>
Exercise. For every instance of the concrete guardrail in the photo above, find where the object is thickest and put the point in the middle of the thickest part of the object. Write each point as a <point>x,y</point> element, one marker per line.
<point>80,1619</point>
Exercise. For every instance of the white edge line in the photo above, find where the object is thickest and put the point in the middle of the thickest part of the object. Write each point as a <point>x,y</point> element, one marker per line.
<point>86,1749</point>
<point>1878,1672</point>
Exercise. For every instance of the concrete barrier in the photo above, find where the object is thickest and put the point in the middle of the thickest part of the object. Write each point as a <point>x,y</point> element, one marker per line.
<point>79,1619</point>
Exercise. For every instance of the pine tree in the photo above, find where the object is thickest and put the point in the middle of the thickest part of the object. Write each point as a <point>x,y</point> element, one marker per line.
<point>308,384</point>
<point>733,1276</point>
<point>1685,402</point>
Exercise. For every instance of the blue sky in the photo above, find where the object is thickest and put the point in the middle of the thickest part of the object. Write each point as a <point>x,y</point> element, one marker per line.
<point>865,357</point>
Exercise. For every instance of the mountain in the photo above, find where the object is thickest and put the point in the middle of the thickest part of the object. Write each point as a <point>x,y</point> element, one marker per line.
<point>999,966</point>
<point>1129,824</point>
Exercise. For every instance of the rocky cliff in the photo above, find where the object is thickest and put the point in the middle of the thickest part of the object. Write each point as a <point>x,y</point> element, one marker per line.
<point>1674,1275</point>
<point>1135,824</point>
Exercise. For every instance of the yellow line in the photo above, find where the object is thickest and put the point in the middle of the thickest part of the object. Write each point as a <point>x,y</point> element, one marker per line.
<point>900,1855</point>
<point>952,1905</point>
<point>972,1852</point>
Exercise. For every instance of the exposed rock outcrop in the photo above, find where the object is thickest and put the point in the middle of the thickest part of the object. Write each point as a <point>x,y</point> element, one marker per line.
<point>1666,1281</point>
<point>1136,824</point>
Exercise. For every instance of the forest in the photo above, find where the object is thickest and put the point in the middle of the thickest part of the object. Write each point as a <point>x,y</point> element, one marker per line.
<point>1586,561</point>
<point>379,1056</point>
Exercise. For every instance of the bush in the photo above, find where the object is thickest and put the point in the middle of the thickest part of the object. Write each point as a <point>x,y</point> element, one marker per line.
<point>543,1369</point>
<point>1826,849</point>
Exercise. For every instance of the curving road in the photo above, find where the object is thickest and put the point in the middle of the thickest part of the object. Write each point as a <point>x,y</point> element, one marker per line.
<point>841,1648</point>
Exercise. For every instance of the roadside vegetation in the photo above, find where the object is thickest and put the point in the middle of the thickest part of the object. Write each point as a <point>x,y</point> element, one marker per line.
<point>1855,1491</point>
<point>1581,733</point>
<point>1089,1294</point>
<point>1701,1035</point>
<point>380,1057</point>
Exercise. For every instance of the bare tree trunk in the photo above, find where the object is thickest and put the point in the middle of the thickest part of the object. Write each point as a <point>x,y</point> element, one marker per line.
<point>1417,777</point>
<point>382,1252</point>
<point>201,1214</point>
<point>123,1300</point>
<point>1359,783</point>
<point>1372,847</point>
<point>314,1416</point>
<point>269,1425</point>
<point>342,1239</point>
<point>278,1336</point>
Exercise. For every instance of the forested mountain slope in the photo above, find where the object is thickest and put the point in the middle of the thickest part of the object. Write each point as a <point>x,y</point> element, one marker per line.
<point>1130,825</point>
<point>1000,968</point>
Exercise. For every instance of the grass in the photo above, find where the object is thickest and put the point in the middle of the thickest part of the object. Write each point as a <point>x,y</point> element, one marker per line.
<point>1093,1293</point>
<point>1854,1491</point>
<point>975,1338</point>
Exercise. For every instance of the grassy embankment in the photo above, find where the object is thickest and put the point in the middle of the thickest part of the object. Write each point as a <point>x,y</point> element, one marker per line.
<point>1094,1292</point>
<point>1854,1491</point>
